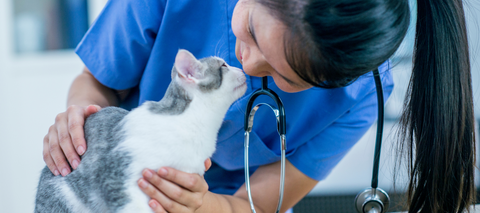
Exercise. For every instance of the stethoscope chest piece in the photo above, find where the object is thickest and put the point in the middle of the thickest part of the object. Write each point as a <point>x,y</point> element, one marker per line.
<point>372,200</point>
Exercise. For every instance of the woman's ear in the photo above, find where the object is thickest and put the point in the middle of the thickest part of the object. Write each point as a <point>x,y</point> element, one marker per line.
<point>188,67</point>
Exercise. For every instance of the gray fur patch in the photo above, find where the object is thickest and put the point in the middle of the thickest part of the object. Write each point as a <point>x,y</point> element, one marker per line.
<point>175,101</point>
<point>101,172</point>
<point>48,198</point>
<point>214,74</point>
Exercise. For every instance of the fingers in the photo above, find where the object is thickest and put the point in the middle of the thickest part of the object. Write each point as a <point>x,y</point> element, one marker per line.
<point>175,191</point>
<point>48,158</point>
<point>192,182</point>
<point>156,207</point>
<point>75,122</point>
<point>208,164</point>
<point>165,203</point>
<point>56,152</point>
<point>65,141</point>
<point>92,109</point>
<point>170,189</point>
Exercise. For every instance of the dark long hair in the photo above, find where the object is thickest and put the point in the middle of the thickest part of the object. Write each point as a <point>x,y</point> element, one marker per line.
<point>438,121</point>
<point>348,38</point>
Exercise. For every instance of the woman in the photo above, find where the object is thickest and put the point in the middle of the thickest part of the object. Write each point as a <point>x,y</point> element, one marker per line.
<point>300,44</point>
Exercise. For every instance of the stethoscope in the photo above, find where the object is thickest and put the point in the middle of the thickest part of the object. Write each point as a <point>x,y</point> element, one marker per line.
<point>371,200</point>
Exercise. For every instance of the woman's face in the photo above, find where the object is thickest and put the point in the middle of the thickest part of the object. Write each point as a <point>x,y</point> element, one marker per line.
<point>260,46</point>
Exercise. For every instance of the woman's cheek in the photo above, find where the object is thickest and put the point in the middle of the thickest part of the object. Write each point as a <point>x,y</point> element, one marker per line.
<point>248,69</point>
<point>256,68</point>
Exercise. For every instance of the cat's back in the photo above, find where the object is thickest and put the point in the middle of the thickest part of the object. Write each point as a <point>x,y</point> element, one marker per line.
<point>73,193</point>
<point>106,119</point>
<point>102,126</point>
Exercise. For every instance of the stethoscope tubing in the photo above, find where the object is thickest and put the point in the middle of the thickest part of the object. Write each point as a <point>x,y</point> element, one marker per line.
<point>247,174</point>
<point>380,120</point>
<point>281,128</point>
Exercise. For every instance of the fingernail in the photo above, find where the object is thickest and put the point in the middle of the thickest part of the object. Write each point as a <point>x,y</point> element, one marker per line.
<point>75,164</point>
<point>80,150</point>
<point>143,184</point>
<point>56,173</point>
<point>163,172</point>
<point>152,204</point>
<point>64,172</point>
<point>148,174</point>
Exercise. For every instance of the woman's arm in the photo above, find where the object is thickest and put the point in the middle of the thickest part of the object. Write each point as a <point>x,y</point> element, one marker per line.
<point>265,183</point>
<point>182,192</point>
<point>87,90</point>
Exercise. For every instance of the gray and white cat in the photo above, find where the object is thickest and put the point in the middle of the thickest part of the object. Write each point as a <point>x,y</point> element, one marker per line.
<point>179,131</point>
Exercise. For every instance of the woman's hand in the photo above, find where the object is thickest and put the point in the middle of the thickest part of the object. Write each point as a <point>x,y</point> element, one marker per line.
<point>174,191</point>
<point>65,141</point>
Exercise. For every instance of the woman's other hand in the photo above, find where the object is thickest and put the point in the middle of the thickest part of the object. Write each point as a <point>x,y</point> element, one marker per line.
<point>65,141</point>
<point>172,190</point>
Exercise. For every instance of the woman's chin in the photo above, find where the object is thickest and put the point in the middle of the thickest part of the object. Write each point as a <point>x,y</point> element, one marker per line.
<point>285,87</point>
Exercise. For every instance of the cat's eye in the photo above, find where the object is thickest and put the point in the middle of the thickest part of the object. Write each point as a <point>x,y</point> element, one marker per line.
<point>224,65</point>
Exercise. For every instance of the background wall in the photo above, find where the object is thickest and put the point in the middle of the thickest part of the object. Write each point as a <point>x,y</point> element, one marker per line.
<point>33,89</point>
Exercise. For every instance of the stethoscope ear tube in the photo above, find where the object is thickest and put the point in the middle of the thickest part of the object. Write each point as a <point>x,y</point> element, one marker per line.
<point>281,128</point>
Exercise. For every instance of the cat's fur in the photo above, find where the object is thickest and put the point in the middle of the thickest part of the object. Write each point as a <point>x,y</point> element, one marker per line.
<point>179,131</point>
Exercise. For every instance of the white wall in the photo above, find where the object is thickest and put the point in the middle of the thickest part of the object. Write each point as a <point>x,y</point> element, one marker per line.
<point>472,10</point>
<point>33,90</point>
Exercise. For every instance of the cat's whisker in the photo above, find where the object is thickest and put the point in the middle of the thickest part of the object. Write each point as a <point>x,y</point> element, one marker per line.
<point>217,48</point>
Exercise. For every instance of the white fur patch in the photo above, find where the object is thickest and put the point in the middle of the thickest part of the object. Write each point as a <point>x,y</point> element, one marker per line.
<point>73,201</point>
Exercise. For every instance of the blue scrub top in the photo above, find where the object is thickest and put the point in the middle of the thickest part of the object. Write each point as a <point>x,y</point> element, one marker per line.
<point>133,44</point>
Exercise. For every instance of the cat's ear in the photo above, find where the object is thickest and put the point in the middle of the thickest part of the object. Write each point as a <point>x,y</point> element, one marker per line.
<point>188,67</point>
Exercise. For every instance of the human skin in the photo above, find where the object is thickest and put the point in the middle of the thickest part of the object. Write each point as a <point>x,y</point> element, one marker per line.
<point>172,190</point>
<point>260,48</point>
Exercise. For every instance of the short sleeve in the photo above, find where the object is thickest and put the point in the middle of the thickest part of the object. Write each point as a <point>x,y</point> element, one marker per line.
<point>117,47</point>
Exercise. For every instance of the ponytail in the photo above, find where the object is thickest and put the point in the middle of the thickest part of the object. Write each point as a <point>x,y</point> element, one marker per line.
<point>438,121</point>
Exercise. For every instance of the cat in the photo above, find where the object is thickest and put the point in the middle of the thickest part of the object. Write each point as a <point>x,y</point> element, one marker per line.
<point>178,131</point>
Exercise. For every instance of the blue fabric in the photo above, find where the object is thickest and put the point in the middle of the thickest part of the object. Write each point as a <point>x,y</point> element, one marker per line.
<point>133,45</point>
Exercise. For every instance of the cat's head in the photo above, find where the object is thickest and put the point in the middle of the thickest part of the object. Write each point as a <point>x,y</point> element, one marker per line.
<point>209,77</point>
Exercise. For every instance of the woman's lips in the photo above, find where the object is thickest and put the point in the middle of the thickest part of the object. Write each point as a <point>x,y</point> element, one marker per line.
<point>240,49</point>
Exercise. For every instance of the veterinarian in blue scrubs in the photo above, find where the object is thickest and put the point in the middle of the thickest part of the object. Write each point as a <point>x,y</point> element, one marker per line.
<point>129,53</point>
